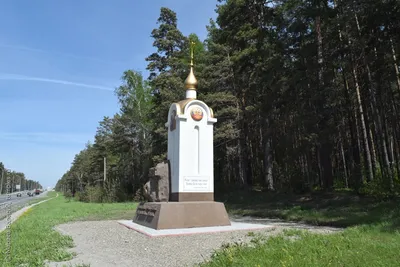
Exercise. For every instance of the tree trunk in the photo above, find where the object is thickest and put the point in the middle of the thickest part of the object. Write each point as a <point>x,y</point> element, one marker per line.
<point>346,179</point>
<point>325,144</point>
<point>363,127</point>
<point>396,68</point>
<point>268,179</point>
<point>355,147</point>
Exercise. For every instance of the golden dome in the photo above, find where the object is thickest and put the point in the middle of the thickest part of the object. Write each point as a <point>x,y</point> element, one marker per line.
<point>191,81</point>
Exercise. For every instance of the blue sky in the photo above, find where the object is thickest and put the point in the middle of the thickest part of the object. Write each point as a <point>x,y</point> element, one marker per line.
<point>59,64</point>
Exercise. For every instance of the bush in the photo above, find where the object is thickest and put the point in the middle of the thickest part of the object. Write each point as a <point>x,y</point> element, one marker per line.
<point>68,195</point>
<point>112,192</point>
<point>378,189</point>
<point>81,196</point>
<point>95,194</point>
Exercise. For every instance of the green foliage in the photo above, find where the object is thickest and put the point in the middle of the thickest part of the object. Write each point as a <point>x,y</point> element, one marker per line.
<point>167,73</point>
<point>371,238</point>
<point>34,239</point>
<point>354,247</point>
<point>113,193</point>
<point>68,195</point>
<point>339,209</point>
<point>15,178</point>
<point>81,196</point>
<point>123,143</point>
<point>379,189</point>
<point>95,194</point>
<point>305,93</point>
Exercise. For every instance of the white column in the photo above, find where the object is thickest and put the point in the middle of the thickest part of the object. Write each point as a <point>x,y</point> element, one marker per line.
<point>191,94</point>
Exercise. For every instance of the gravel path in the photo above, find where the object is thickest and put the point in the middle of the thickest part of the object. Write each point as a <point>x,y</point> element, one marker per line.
<point>107,243</point>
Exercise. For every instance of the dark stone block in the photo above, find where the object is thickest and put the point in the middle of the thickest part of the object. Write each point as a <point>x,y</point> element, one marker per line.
<point>157,188</point>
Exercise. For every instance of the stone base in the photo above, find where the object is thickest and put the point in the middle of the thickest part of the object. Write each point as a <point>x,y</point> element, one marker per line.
<point>235,226</point>
<point>176,215</point>
<point>186,197</point>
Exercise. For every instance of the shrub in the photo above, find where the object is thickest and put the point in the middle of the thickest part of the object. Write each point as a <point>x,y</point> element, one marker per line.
<point>95,194</point>
<point>81,196</point>
<point>378,189</point>
<point>112,192</point>
<point>68,195</point>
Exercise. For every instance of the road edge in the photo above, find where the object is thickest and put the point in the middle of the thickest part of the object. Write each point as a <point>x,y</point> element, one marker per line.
<point>15,216</point>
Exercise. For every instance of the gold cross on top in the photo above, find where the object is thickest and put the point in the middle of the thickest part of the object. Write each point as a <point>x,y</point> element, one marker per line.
<point>191,52</point>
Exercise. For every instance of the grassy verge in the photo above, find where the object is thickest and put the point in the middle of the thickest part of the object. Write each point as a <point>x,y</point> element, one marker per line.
<point>33,239</point>
<point>39,199</point>
<point>372,237</point>
<point>17,206</point>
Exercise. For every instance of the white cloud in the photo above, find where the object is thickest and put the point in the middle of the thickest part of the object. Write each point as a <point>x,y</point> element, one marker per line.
<point>17,77</point>
<point>47,137</point>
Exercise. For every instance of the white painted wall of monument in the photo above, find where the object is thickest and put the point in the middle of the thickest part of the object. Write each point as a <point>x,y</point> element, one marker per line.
<point>191,148</point>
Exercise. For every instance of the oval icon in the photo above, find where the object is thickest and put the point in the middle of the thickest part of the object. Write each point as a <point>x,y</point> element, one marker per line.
<point>196,113</point>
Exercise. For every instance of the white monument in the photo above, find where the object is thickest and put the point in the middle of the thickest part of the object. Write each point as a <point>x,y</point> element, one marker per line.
<point>191,168</point>
<point>190,146</point>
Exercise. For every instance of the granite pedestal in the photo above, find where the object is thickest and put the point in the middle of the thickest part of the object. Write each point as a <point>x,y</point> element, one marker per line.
<point>175,215</point>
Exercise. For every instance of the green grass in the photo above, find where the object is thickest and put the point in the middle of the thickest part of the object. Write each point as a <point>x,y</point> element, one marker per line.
<point>372,236</point>
<point>359,246</point>
<point>39,199</point>
<point>18,206</point>
<point>33,239</point>
<point>338,209</point>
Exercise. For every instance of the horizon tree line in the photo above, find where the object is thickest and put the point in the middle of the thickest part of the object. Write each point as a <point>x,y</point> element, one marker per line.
<point>15,178</point>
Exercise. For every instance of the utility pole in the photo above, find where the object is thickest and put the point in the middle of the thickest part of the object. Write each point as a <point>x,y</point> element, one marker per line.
<point>1,183</point>
<point>105,169</point>
<point>12,182</point>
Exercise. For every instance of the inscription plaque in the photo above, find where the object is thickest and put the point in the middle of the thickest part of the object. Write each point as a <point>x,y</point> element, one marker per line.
<point>196,183</point>
<point>146,212</point>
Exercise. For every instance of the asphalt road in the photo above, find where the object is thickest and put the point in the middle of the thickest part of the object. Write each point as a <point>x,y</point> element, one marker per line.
<point>16,202</point>
<point>14,198</point>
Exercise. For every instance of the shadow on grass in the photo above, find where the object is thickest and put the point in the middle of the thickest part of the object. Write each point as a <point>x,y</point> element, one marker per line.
<point>338,209</point>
